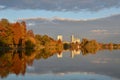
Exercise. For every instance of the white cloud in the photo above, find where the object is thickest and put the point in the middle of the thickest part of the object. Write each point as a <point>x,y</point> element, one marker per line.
<point>105,32</point>
<point>65,19</point>
<point>101,61</point>
<point>62,5</point>
<point>33,18</point>
<point>31,68</point>
<point>114,33</point>
<point>99,31</point>
<point>30,24</point>
<point>2,6</point>
<point>55,18</point>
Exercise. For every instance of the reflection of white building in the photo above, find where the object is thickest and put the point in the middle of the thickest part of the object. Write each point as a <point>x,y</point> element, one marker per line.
<point>59,37</point>
<point>75,52</point>
<point>74,40</point>
<point>59,55</point>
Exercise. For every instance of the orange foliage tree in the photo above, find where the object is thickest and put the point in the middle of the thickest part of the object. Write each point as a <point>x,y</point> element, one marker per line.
<point>12,33</point>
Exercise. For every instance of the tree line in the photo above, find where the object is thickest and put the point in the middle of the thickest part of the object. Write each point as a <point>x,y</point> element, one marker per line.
<point>16,35</point>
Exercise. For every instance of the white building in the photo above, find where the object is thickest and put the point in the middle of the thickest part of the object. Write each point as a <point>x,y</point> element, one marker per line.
<point>59,37</point>
<point>74,40</point>
<point>74,53</point>
<point>59,55</point>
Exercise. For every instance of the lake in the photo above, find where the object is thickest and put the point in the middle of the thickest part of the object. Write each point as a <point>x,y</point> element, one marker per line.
<point>103,65</point>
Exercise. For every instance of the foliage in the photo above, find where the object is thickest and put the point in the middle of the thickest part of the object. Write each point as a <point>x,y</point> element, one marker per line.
<point>28,52</point>
<point>5,32</point>
<point>14,34</point>
<point>44,53</point>
<point>89,46</point>
<point>66,46</point>
<point>29,45</point>
<point>11,33</point>
<point>43,40</point>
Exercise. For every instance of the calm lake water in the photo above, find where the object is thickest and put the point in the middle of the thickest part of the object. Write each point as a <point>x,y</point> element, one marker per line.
<point>104,65</point>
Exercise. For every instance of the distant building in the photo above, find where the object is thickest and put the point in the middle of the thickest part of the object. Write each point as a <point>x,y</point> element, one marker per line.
<point>59,37</point>
<point>74,40</point>
<point>59,55</point>
<point>75,52</point>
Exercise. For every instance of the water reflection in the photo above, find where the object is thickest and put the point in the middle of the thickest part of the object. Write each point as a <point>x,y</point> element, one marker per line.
<point>62,76</point>
<point>16,61</point>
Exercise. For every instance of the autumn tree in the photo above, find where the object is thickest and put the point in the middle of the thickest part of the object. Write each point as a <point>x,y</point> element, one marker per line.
<point>12,33</point>
<point>5,32</point>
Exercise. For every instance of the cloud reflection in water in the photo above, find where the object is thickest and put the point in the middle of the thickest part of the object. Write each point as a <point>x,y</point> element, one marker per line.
<point>62,76</point>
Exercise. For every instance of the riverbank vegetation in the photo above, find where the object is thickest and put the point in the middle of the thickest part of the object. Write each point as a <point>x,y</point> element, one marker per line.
<point>15,36</point>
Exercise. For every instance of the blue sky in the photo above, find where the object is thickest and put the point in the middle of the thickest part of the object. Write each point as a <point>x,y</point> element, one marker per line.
<point>13,15</point>
<point>69,11</point>
<point>89,9</point>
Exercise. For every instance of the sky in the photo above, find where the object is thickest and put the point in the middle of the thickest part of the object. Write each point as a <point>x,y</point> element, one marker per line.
<point>85,18</point>
<point>70,9</point>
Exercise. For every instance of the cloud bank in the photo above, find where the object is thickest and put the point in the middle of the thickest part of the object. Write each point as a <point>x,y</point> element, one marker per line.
<point>103,29</point>
<point>61,5</point>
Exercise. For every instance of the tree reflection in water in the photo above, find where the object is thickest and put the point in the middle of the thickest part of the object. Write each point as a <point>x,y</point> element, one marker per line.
<point>16,61</point>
